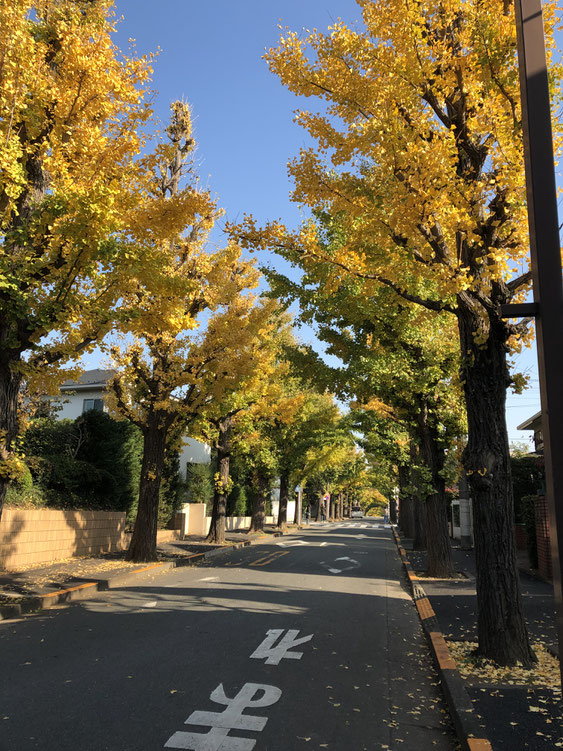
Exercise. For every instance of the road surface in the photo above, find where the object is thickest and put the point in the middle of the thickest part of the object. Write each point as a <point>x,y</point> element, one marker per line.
<point>309,641</point>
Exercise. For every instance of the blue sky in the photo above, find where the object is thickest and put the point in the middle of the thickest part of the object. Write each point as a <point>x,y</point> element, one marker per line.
<point>210,54</point>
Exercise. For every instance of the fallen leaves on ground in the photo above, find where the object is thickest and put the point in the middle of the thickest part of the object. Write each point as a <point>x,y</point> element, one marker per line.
<point>67,569</point>
<point>470,665</point>
<point>458,576</point>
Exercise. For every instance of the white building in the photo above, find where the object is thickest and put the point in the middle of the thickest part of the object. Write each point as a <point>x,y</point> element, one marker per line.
<point>88,393</point>
<point>83,395</point>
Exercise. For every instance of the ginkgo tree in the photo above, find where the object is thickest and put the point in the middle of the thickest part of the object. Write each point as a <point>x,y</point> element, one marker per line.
<point>400,360</point>
<point>192,331</point>
<point>310,425</point>
<point>257,396</point>
<point>71,121</point>
<point>419,153</point>
<point>385,443</point>
<point>257,438</point>
<point>325,462</point>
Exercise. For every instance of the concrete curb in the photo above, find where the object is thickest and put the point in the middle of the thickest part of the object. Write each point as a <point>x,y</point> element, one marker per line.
<point>465,719</point>
<point>89,589</point>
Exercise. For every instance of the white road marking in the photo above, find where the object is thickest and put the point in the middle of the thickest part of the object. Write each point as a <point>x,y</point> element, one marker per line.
<point>274,654</point>
<point>209,579</point>
<point>151,604</point>
<point>333,570</point>
<point>291,543</point>
<point>232,718</point>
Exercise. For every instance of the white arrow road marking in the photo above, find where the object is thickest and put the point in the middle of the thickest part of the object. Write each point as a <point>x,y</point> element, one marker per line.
<point>291,543</point>
<point>273,655</point>
<point>333,570</point>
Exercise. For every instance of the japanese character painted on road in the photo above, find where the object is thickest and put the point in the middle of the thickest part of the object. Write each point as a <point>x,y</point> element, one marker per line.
<point>232,718</point>
<point>274,654</point>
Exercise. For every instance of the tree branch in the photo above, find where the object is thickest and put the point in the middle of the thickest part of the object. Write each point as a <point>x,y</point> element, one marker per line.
<point>513,284</point>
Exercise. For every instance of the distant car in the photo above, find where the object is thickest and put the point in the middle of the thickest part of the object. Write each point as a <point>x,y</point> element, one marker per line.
<point>356,513</point>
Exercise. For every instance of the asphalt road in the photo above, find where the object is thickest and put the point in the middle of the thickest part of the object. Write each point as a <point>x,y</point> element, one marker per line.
<point>226,644</point>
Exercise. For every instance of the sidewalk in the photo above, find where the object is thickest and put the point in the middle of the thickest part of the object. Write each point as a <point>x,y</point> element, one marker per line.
<point>41,586</point>
<point>517,714</point>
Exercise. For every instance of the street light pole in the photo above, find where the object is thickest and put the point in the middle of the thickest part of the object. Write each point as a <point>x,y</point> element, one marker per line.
<point>546,266</point>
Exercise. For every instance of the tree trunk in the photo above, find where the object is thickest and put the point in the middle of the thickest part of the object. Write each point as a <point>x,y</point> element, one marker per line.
<point>143,542</point>
<point>418,507</point>
<point>435,504</point>
<point>220,489</point>
<point>502,632</point>
<point>419,541</point>
<point>339,514</point>
<point>393,510</point>
<point>330,510</point>
<point>284,500</point>
<point>10,383</point>
<point>259,505</point>
<point>319,508</point>
<point>406,517</point>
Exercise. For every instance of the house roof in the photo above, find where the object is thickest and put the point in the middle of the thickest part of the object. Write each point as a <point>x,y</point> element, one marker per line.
<point>90,379</point>
<point>532,423</point>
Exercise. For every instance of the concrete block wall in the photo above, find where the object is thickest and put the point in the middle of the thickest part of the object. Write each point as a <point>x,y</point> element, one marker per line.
<point>193,521</point>
<point>29,536</point>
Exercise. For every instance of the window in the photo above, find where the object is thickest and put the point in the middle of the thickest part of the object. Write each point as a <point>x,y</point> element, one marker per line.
<point>96,404</point>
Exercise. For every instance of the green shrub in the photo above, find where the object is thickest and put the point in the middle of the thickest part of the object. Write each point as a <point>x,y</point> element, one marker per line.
<point>171,488</point>
<point>528,478</point>
<point>47,436</point>
<point>33,497</point>
<point>199,484</point>
<point>237,501</point>
<point>24,483</point>
<point>92,462</point>
<point>40,470</point>
<point>113,447</point>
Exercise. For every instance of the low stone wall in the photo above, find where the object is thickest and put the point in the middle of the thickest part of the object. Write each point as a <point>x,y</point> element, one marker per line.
<point>29,536</point>
<point>166,535</point>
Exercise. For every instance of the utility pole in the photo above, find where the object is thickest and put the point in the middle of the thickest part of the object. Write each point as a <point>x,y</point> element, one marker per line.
<point>546,267</point>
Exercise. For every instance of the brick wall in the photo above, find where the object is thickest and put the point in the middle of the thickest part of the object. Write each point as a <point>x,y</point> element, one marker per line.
<point>542,538</point>
<point>44,535</point>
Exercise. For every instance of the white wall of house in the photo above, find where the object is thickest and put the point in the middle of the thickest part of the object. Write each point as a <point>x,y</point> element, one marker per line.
<point>71,406</point>
<point>193,452</point>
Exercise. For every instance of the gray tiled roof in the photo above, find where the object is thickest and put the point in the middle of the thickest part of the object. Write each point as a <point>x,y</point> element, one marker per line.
<point>95,377</point>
